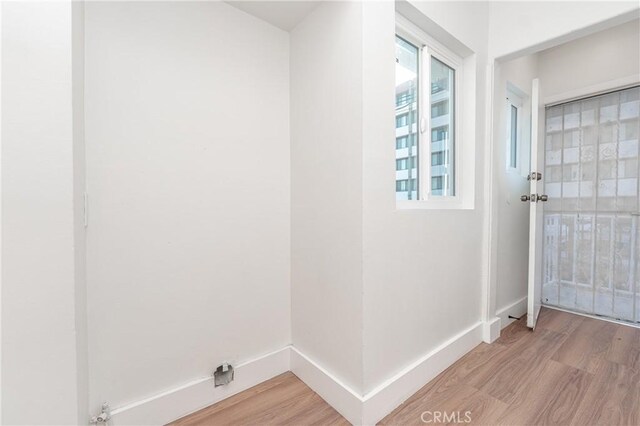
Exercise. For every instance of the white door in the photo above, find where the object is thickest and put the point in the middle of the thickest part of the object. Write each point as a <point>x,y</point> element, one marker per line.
<point>536,199</point>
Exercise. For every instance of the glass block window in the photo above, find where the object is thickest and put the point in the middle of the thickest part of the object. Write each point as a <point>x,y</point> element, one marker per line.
<point>591,252</point>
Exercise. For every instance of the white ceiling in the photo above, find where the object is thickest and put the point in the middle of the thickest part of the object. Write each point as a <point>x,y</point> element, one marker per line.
<point>283,14</point>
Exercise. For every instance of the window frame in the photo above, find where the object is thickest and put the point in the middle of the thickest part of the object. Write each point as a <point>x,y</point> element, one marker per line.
<point>429,47</point>
<point>516,101</point>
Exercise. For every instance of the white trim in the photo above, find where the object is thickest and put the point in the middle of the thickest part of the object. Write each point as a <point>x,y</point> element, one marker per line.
<point>593,90</point>
<point>180,401</point>
<point>1,3</point>
<point>491,330</point>
<point>516,309</point>
<point>383,399</point>
<point>340,396</point>
<point>386,397</point>
<point>489,223</point>
<point>358,409</point>
<point>406,28</point>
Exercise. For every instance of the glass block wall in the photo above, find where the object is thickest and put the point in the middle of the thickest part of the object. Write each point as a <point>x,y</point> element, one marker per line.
<point>592,219</point>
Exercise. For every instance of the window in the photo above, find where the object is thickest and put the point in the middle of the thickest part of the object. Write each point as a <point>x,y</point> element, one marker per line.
<point>436,183</point>
<point>442,116</point>
<point>437,158</point>
<point>405,141</point>
<point>406,185</point>
<point>439,109</point>
<point>426,104</point>
<point>438,133</point>
<point>406,119</point>
<point>404,98</point>
<point>406,163</point>
<point>513,134</point>
<point>514,120</point>
<point>407,55</point>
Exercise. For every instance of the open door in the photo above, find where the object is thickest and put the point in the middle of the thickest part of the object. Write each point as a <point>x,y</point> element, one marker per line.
<point>536,200</point>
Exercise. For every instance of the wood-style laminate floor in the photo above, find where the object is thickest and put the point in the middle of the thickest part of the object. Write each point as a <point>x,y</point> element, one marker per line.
<point>283,400</point>
<point>572,370</point>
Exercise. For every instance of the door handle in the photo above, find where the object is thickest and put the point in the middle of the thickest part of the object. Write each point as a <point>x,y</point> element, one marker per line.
<point>534,198</point>
<point>534,176</point>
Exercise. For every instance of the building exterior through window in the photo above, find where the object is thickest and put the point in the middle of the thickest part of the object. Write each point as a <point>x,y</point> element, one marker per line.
<point>406,120</point>
<point>441,155</point>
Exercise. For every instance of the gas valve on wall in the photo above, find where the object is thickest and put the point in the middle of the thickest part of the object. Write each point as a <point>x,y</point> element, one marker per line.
<point>103,417</point>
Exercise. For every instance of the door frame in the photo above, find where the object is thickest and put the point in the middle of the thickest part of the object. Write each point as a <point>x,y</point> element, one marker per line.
<point>490,320</point>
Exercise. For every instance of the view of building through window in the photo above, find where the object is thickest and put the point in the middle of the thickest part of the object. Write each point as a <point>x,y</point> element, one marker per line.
<point>406,120</point>
<point>442,147</point>
<point>441,179</point>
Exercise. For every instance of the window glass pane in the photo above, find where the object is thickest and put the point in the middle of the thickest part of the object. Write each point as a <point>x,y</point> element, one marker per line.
<point>406,120</point>
<point>513,160</point>
<point>437,158</point>
<point>436,182</point>
<point>442,129</point>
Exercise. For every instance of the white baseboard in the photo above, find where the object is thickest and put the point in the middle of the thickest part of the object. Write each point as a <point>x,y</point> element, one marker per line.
<point>491,330</point>
<point>345,400</point>
<point>358,409</point>
<point>375,405</point>
<point>516,309</point>
<point>390,394</point>
<point>168,406</point>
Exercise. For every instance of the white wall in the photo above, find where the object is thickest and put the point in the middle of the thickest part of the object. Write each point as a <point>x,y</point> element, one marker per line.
<point>528,25</point>
<point>43,321</point>
<point>422,268</point>
<point>512,215</point>
<point>593,60</point>
<point>326,196</point>
<point>79,187</point>
<point>211,238</point>
<point>187,132</point>
<point>351,246</point>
